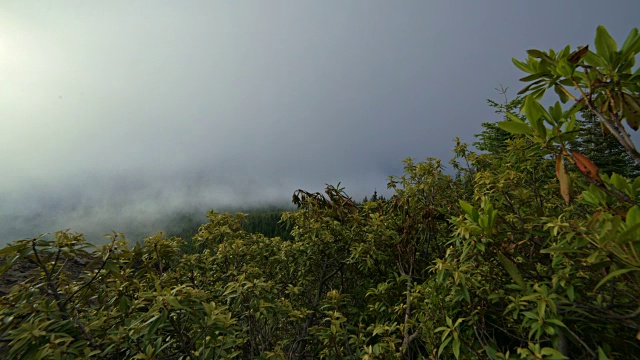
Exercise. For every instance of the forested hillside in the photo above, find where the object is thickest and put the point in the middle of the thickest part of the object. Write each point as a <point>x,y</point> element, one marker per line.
<point>528,248</point>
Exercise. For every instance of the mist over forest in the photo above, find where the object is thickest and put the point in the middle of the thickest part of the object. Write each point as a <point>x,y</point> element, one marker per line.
<point>115,116</point>
<point>320,180</point>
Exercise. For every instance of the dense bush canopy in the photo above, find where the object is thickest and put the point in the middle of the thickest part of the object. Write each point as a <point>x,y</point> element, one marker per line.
<point>526,250</point>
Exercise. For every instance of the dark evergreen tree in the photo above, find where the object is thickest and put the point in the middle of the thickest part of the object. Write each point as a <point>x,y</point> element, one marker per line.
<point>267,222</point>
<point>492,138</point>
<point>602,148</point>
<point>374,197</point>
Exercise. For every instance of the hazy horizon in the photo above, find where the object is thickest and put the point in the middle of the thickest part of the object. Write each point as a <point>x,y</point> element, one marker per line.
<point>118,113</point>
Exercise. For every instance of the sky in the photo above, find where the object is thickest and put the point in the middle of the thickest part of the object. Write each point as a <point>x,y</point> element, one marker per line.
<point>114,114</point>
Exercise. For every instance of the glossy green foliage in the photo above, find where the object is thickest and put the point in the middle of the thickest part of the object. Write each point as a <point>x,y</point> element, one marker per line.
<point>515,253</point>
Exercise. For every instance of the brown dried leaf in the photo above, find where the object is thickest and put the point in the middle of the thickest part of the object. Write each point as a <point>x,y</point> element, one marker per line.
<point>565,187</point>
<point>577,55</point>
<point>587,167</point>
<point>631,110</point>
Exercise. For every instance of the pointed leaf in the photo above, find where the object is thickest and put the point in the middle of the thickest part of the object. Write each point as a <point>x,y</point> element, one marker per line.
<point>533,86</point>
<point>513,117</point>
<point>520,65</point>
<point>560,90</point>
<point>594,59</point>
<point>556,322</point>
<point>443,345</point>
<point>552,354</point>
<point>613,274</point>
<point>511,269</point>
<point>536,53</point>
<point>13,248</point>
<point>577,55</point>
<point>565,188</point>
<point>532,108</point>
<point>571,293</point>
<point>9,261</point>
<point>456,348</point>
<point>632,119</point>
<point>587,167</point>
<point>538,126</point>
<point>631,110</point>
<point>540,55</point>
<point>631,40</point>
<point>605,45</point>
<point>533,77</point>
<point>466,207</point>
<point>515,127</point>
<point>603,356</point>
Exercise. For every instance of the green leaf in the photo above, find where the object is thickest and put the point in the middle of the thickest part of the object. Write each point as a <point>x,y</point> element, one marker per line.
<point>492,352</point>
<point>551,353</point>
<point>594,59</point>
<point>556,110</point>
<point>10,260</point>
<point>13,248</point>
<point>536,53</point>
<point>113,267</point>
<point>513,117</point>
<point>532,108</point>
<point>533,77</point>
<point>601,354</point>
<point>530,315</point>
<point>605,45</point>
<point>540,55</point>
<point>533,86</point>
<point>559,89</point>
<point>570,293</point>
<point>173,302</point>
<point>520,65</point>
<point>124,305</point>
<point>556,322</point>
<point>538,93</point>
<point>155,322</point>
<point>511,269</point>
<point>515,127</point>
<point>633,216</point>
<point>466,207</point>
<point>465,294</point>
<point>630,42</point>
<point>443,345</point>
<point>612,275</point>
<point>538,125</point>
<point>456,348</point>
<point>620,183</point>
<point>558,249</point>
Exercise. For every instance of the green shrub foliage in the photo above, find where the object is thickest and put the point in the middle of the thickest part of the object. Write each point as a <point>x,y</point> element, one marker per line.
<point>526,250</point>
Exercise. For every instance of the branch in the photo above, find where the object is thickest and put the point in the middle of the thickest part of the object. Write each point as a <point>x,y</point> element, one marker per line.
<point>61,305</point>
<point>628,146</point>
<point>104,262</point>
<point>622,197</point>
<point>581,342</point>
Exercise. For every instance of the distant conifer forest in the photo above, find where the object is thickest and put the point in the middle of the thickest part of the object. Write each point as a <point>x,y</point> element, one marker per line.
<point>524,246</point>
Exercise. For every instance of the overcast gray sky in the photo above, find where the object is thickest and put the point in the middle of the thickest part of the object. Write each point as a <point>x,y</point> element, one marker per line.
<point>119,110</point>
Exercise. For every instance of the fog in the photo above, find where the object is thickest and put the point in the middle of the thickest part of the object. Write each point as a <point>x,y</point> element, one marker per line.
<point>117,115</point>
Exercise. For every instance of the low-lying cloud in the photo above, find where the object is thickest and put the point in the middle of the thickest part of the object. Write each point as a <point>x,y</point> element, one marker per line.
<point>115,115</point>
